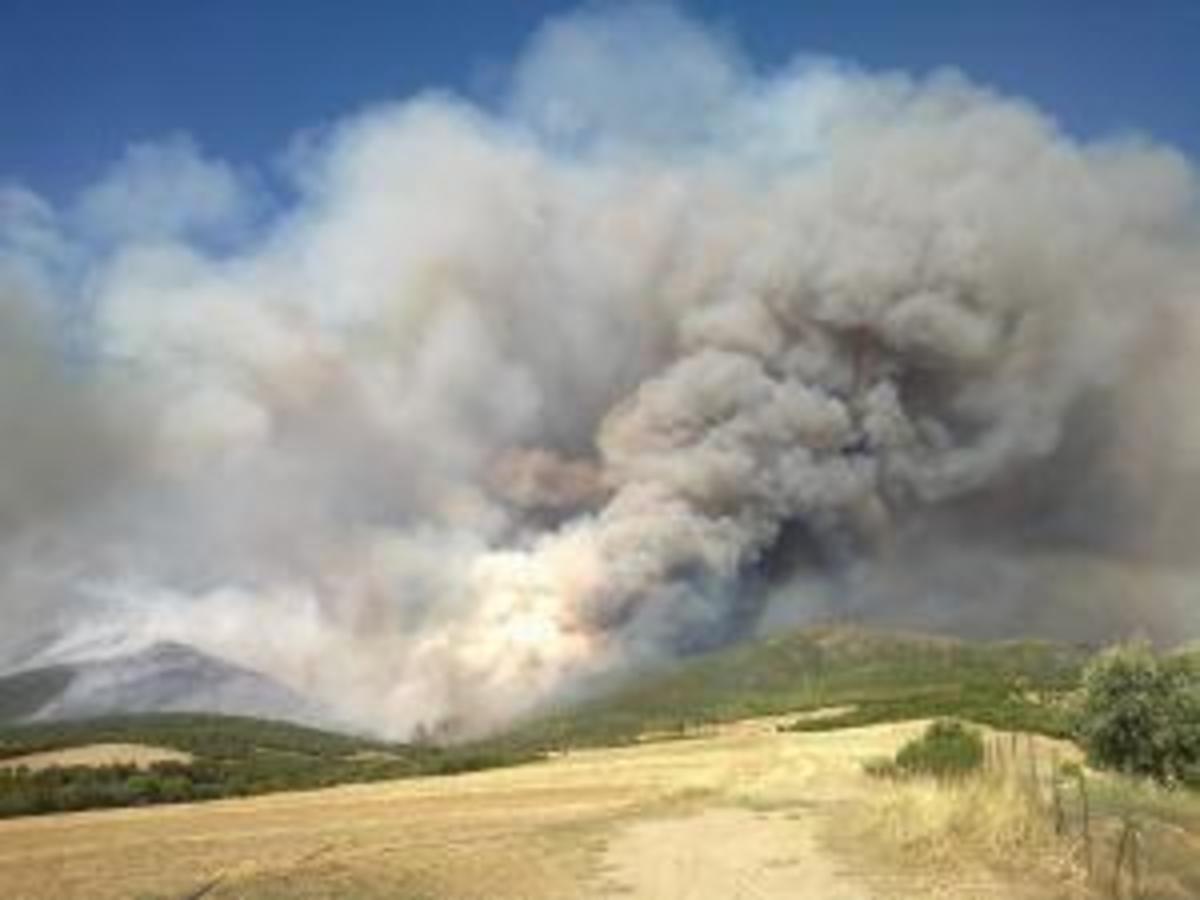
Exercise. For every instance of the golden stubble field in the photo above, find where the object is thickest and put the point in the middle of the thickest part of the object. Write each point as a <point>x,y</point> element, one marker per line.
<point>98,755</point>
<point>741,812</point>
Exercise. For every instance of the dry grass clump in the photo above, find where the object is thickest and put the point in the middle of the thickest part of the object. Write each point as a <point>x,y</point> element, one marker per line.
<point>938,821</point>
<point>997,820</point>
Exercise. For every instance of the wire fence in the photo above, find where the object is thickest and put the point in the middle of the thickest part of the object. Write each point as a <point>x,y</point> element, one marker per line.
<point>1122,853</point>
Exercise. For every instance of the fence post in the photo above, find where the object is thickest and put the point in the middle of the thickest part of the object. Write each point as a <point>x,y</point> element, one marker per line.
<point>1060,820</point>
<point>1135,866</point>
<point>1131,838</point>
<point>1087,819</point>
<point>1035,786</point>
<point>1122,843</point>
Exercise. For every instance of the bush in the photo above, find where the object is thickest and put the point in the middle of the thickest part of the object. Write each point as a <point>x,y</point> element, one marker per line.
<point>1140,714</point>
<point>947,749</point>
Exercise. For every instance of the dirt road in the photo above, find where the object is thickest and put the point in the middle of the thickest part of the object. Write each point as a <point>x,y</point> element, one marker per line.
<point>724,853</point>
<point>741,813</point>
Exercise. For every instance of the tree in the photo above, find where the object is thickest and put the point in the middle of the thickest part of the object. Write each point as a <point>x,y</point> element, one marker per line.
<point>1141,714</point>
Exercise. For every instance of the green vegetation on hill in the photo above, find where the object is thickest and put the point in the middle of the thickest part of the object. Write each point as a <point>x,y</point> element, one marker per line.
<point>212,736</point>
<point>233,757</point>
<point>880,676</point>
<point>1188,655</point>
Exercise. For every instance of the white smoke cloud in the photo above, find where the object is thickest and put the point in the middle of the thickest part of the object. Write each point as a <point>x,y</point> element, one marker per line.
<point>508,401</point>
<point>587,80</point>
<point>165,189</point>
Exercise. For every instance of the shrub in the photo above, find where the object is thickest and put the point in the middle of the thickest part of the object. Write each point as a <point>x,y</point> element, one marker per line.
<point>1141,715</point>
<point>947,749</point>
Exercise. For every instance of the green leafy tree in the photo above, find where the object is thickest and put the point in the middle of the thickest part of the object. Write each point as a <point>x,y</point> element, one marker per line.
<point>1141,715</point>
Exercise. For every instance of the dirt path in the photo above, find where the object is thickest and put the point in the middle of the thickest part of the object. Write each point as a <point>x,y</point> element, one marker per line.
<point>760,836</point>
<point>724,854</point>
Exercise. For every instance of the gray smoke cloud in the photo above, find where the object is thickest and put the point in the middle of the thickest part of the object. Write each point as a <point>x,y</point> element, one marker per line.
<point>666,348</point>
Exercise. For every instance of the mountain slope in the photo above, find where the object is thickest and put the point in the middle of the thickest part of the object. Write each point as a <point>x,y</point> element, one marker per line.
<point>815,667</point>
<point>24,693</point>
<point>164,677</point>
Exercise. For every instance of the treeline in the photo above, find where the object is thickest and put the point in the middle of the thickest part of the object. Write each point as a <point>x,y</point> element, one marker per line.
<point>26,792</point>
<point>201,734</point>
<point>1011,705</point>
<point>234,757</point>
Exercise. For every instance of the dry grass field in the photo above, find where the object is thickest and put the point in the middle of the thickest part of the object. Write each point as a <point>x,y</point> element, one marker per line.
<point>98,755</point>
<point>740,812</point>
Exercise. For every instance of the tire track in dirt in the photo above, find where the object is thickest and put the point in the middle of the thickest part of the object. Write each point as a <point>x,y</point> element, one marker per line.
<point>723,854</point>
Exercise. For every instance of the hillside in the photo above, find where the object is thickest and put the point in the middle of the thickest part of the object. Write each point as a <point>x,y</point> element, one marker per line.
<point>162,677</point>
<point>1190,652</point>
<point>203,735</point>
<point>874,676</point>
<point>229,756</point>
<point>24,693</point>
<point>884,676</point>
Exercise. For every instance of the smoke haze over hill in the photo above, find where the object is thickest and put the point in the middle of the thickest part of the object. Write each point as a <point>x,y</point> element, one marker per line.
<point>501,401</point>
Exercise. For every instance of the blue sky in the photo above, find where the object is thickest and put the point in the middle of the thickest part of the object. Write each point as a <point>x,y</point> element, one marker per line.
<point>80,79</point>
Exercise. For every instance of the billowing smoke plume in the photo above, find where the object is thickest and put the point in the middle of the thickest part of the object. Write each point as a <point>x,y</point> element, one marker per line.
<point>502,402</point>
